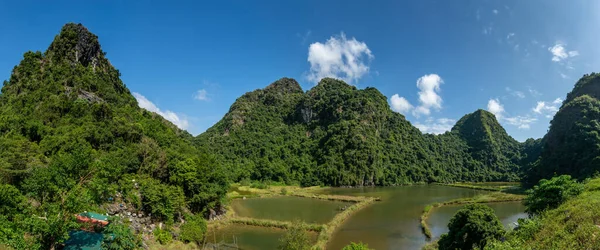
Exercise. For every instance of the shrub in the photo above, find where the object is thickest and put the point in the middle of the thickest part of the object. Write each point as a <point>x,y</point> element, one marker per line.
<point>295,238</point>
<point>356,246</point>
<point>472,227</point>
<point>163,236</point>
<point>549,194</point>
<point>193,229</point>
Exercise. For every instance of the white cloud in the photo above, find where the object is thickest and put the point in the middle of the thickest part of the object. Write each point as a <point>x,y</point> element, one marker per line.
<point>339,57</point>
<point>557,101</point>
<point>429,98</point>
<point>438,126</point>
<point>495,107</point>
<point>495,12</point>
<point>400,104</point>
<point>420,110</point>
<point>521,122</point>
<point>171,116</point>
<point>573,53</point>
<point>509,36</point>
<point>201,95</point>
<point>559,52</point>
<point>429,86</point>
<point>547,109</point>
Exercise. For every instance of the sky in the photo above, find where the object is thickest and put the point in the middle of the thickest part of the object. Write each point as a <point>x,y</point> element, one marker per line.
<point>435,60</point>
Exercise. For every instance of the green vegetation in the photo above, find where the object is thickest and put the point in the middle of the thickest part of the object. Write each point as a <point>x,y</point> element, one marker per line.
<point>479,199</point>
<point>295,238</point>
<point>117,236</point>
<point>472,227</point>
<point>72,138</point>
<point>549,194</point>
<point>572,225</point>
<point>571,145</point>
<point>193,229</point>
<point>163,236</point>
<point>356,246</point>
<point>338,135</point>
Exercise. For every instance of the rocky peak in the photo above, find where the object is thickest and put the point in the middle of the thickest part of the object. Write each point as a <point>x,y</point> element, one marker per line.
<point>285,86</point>
<point>75,43</point>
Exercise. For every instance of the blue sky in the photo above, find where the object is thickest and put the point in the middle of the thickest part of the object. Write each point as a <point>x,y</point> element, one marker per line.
<point>434,60</point>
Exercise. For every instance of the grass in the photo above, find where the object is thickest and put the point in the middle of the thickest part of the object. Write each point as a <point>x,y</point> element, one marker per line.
<point>272,223</point>
<point>573,225</point>
<point>482,198</point>
<point>511,187</point>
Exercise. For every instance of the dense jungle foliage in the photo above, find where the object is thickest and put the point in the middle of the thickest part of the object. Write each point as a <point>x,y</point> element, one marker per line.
<point>336,134</point>
<point>572,144</point>
<point>72,138</point>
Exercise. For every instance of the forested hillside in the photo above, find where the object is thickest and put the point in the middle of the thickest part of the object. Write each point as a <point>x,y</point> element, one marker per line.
<point>72,138</point>
<point>336,134</point>
<point>572,145</point>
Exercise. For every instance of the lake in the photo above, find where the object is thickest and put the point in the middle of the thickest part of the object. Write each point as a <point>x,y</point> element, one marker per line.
<point>392,223</point>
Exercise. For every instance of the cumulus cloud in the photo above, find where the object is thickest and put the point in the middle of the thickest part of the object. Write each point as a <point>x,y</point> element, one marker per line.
<point>495,107</point>
<point>400,104</point>
<point>437,126</point>
<point>521,122</point>
<point>495,12</point>
<point>171,116</point>
<point>560,53</point>
<point>201,95</point>
<point>547,109</point>
<point>339,57</point>
<point>429,98</point>
<point>430,86</point>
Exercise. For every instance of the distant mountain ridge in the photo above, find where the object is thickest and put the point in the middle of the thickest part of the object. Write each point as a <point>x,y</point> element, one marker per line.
<point>336,134</point>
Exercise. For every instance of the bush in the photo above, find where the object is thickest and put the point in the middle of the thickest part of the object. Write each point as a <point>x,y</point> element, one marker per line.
<point>193,229</point>
<point>284,191</point>
<point>119,237</point>
<point>472,227</point>
<point>549,194</point>
<point>295,238</point>
<point>356,246</point>
<point>163,236</point>
<point>259,185</point>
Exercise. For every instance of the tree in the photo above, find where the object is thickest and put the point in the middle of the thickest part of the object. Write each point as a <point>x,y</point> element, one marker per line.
<point>472,227</point>
<point>356,246</point>
<point>11,200</point>
<point>193,229</point>
<point>549,194</point>
<point>119,237</point>
<point>295,238</point>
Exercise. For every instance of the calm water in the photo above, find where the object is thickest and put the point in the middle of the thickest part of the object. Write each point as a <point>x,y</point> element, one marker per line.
<point>288,208</point>
<point>392,223</point>
<point>249,237</point>
<point>507,212</point>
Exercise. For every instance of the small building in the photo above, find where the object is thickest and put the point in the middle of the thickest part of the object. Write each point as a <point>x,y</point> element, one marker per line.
<point>92,219</point>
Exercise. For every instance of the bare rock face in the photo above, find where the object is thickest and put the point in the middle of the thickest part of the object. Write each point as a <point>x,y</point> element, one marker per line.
<point>75,43</point>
